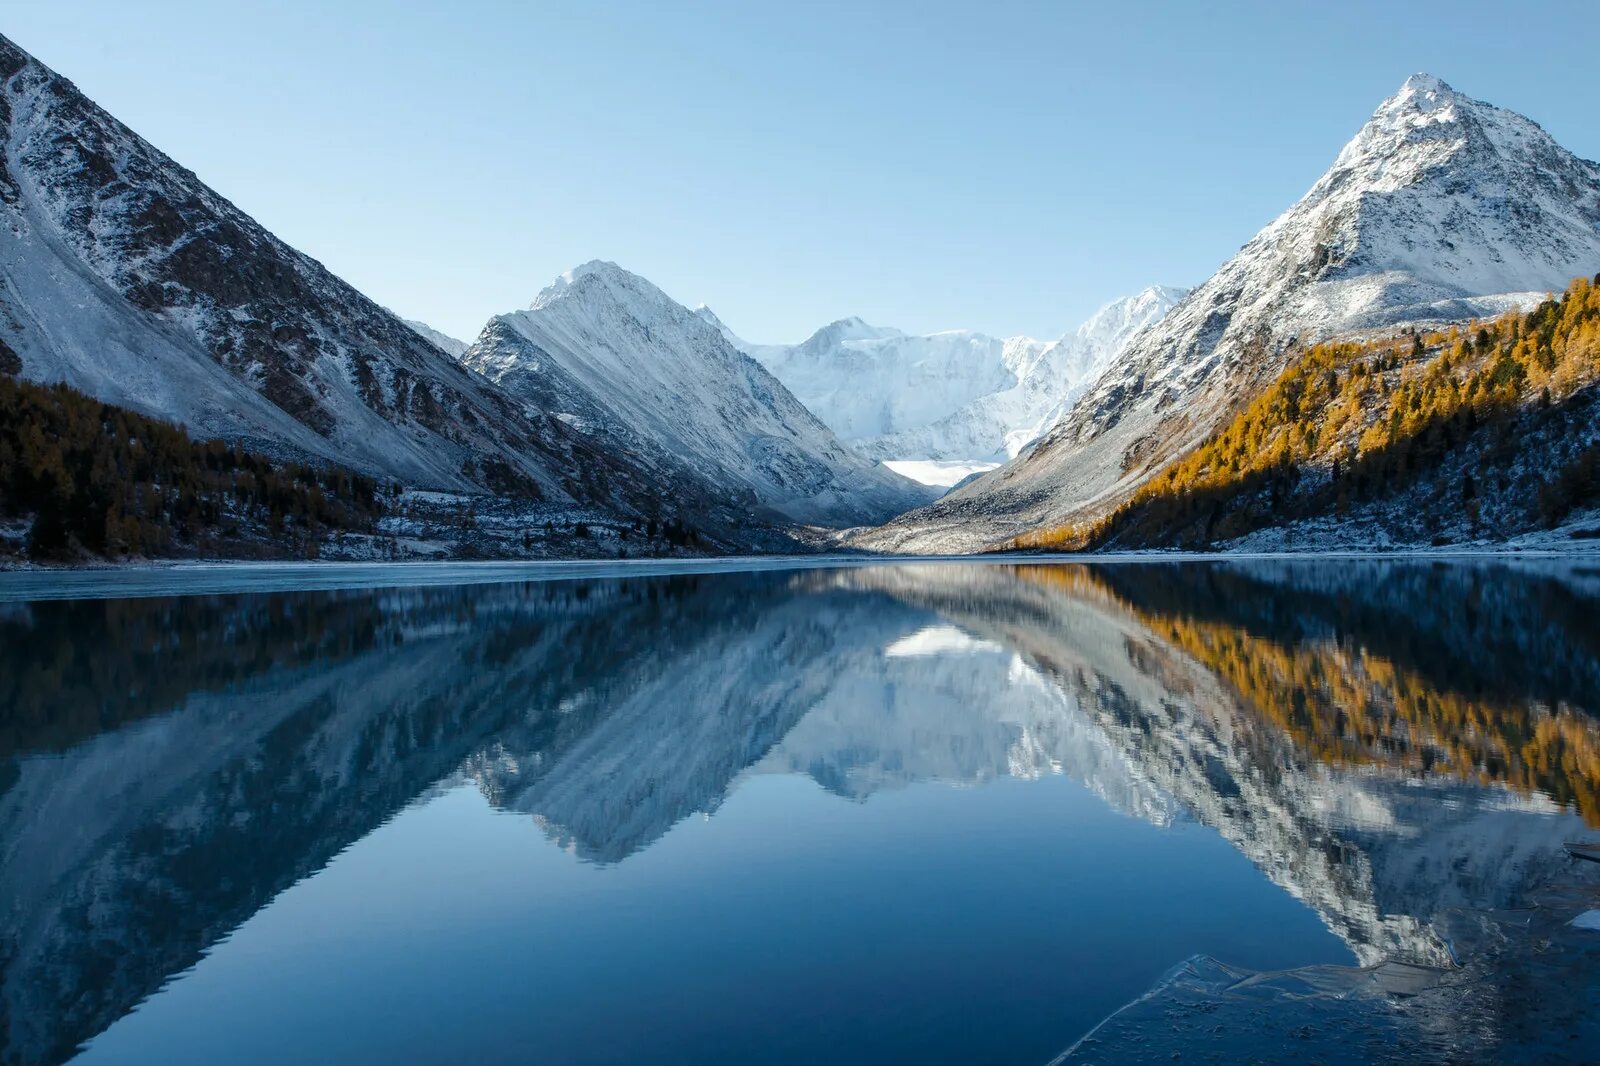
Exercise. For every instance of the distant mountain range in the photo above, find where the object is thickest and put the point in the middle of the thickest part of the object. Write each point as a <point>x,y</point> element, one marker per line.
<point>123,275</point>
<point>953,397</point>
<point>443,341</point>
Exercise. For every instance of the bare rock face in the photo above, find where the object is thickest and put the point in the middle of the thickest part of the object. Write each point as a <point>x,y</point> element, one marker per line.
<point>124,275</point>
<point>1441,208</point>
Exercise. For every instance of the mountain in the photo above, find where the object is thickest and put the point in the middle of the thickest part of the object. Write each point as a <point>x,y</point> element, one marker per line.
<point>1441,208</point>
<point>443,341</point>
<point>957,397</point>
<point>636,373</point>
<point>124,275</point>
<point>1377,847</point>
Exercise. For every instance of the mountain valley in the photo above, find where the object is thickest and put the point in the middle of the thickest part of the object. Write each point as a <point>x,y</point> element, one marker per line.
<point>606,412</point>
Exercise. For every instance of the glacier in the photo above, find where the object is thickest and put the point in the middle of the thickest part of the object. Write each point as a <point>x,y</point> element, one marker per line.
<point>941,406</point>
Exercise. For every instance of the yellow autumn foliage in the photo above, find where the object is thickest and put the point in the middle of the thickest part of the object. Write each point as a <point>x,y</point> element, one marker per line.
<point>1343,400</point>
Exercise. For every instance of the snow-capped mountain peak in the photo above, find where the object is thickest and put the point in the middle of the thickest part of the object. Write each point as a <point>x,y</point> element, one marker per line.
<point>636,371</point>
<point>125,276</point>
<point>1121,319</point>
<point>709,317</point>
<point>847,330</point>
<point>621,284</point>
<point>1469,198</point>
<point>1423,82</point>
<point>1440,208</point>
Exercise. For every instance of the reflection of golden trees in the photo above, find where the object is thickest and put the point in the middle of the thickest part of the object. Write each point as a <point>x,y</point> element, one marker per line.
<point>1345,705</point>
<point>1365,418</point>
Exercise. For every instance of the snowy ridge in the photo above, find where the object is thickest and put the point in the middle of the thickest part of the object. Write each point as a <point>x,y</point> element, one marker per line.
<point>867,382</point>
<point>636,373</point>
<point>957,396</point>
<point>1441,208</point>
<point>443,341</point>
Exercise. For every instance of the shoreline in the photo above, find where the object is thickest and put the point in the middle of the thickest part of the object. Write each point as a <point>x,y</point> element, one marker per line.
<point>131,580</point>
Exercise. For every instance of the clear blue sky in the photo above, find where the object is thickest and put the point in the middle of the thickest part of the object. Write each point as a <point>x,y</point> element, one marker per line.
<point>1000,166</point>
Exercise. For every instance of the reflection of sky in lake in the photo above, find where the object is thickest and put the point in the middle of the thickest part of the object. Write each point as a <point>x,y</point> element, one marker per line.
<point>790,926</point>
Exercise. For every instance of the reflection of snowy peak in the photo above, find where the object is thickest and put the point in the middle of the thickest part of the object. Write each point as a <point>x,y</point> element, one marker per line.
<point>956,395</point>
<point>1440,208</point>
<point>859,692</point>
<point>635,372</point>
<point>1378,857</point>
<point>938,705</point>
<point>610,710</point>
<point>675,725</point>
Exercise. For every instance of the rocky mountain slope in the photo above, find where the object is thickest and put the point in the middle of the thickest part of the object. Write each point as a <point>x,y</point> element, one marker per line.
<point>629,369</point>
<point>1441,208</point>
<point>958,396</point>
<point>124,275</point>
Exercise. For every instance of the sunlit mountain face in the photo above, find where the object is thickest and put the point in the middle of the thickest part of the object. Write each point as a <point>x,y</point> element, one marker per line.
<point>797,814</point>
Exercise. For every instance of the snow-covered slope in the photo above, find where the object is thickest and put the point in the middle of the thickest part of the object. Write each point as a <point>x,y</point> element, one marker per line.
<point>1441,208</point>
<point>633,371</point>
<point>956,397</point>
<point>443,341</point>
<point>122,274</point>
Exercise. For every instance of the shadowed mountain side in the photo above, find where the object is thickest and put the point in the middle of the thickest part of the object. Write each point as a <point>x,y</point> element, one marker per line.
<point>1440,209</point>
<point>125,276</point>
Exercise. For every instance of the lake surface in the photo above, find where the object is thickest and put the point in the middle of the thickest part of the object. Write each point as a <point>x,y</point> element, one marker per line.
<point>897,813</point>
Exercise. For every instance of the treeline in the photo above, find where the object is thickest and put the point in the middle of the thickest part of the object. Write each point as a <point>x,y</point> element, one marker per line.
<point>101,480</point>
<point>1355,424</point>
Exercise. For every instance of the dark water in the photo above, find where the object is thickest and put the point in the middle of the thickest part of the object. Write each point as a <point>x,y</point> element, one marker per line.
<point>930,813</point>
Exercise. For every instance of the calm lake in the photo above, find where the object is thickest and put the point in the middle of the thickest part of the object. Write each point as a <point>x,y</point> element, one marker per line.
<point>920,813</point>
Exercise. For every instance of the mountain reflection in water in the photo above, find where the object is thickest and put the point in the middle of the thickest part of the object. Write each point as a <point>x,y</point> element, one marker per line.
<point>1385,741</point>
